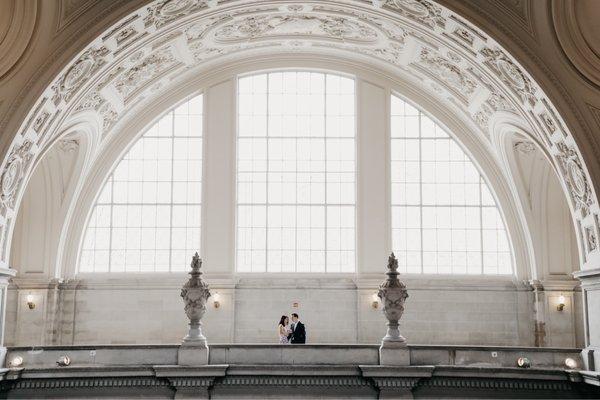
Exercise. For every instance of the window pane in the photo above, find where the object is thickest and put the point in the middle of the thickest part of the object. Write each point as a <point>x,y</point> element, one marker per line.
<point>296,173</point>
<point>147,216</point>
<point>444,217</point>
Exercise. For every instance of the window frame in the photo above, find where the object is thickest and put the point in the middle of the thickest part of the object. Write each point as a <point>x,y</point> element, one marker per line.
<point>131,142</point>
<point>324,71</point>
<point>483,180</point>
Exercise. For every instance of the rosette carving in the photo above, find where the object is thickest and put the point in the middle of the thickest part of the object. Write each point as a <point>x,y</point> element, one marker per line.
<point>393,294</point>
<point>195,293</point>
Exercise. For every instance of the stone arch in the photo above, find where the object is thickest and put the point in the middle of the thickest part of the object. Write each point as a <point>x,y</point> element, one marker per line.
<point>163,43</point>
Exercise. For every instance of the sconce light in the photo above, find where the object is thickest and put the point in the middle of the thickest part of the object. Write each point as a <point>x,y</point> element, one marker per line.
<point>375,302</point>
<point>63,361</point>
<point>523,362</point>
<point>570,363</point>
<point>30,302</point>
<point>561,303</point>
<point>216,301</point>
<point>16,362</point>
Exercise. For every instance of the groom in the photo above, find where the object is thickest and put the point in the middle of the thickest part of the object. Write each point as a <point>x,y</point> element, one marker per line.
<point>298,335</point>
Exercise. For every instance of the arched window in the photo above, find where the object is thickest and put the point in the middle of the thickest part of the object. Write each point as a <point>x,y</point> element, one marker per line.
<point>296,173</point>
<point>147,216</point>
<point>444,218</point>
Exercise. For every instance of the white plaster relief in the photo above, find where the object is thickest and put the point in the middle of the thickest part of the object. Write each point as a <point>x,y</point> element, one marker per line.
<point>385,33</point>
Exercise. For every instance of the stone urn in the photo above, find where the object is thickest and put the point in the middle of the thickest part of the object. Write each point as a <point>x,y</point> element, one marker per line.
<point>195,293</point>
<point>393,293</point>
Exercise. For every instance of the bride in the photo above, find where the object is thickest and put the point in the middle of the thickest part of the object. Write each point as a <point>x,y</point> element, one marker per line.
<point>283,330</point>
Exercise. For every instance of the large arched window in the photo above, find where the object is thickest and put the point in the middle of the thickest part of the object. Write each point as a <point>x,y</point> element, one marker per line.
<point>296,173</point>
<point>444,218</point>
<point>147,216</point>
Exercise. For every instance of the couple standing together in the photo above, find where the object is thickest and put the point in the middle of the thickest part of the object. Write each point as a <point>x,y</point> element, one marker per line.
<point>296,334</point>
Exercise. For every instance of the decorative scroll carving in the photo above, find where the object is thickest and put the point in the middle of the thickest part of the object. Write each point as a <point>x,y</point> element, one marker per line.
<point>169,10</point>
<point>575,177</point>
<point>90,102</point>
<point>447,72</point>
<point>13,175</point>
<point>148,69</point>
<point>89,62</point>
<point>524,147</point>
<point>265,26</point>
<point>68,145</point>
<point>510,74</point>
<point>591,239</point>
<point>422,11</point>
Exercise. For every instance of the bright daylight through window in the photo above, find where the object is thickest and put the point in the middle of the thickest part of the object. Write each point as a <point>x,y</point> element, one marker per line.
<point>296,173</point>
<point>444,218</point>
<point>147,217</point>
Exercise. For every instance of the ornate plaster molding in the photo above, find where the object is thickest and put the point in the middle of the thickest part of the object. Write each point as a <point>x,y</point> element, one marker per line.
<point>141,56</point>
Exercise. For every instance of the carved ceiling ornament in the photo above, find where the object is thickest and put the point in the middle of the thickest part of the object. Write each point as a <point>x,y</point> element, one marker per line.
<point>145,71</point>
<point>13,174</point>
<point>575,178</point>
<point>167,40</point>
<point>423,11</point>
<point>82,70</point>
<point>524,147</point>
<point>510,74</point>
<point>448,72</point>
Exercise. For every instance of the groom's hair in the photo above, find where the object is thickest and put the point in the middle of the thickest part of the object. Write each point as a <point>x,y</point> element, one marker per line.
<point>294,315</point>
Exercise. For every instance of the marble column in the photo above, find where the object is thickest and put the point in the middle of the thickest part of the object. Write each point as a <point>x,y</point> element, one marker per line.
<point>590,286</point>
<point>5,275</point>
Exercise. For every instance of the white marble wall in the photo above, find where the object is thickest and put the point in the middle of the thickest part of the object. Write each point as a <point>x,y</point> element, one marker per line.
<point>333,313</point>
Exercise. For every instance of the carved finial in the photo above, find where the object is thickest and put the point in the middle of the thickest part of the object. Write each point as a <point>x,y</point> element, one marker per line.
<point>392,263</point>
<point>196,264</point>
<point>393,293</point>
<point>195,293</point>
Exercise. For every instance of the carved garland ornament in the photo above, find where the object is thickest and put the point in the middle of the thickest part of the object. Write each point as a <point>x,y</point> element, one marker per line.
<point>510,74</point>
<point>576,180</point>
<point>13,175</point>
<point>265,26</point>
<point>422,11</point>
<point>89,63</point>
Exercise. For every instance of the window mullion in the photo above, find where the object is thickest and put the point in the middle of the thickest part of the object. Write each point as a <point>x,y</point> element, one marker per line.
<point>172,199</point>
<point>268,114</point>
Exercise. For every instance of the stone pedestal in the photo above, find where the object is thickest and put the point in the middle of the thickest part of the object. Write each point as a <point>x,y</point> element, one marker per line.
<point>396,354</point>
<point>5,275</point>
<point>590,285</point>
<point>193,354</point>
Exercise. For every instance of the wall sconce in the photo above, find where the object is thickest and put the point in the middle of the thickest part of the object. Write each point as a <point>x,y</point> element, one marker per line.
<point>523,362</point>
<point>561,303</point>
<point>375,302</point>
<point>570,363</point>
<point>16,362</point>
<point>30,302</point>
<point>216,300</point>
<point>63,361</point>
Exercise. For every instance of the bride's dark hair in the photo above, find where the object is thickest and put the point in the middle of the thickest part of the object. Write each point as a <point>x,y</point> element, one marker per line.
<point>282,320</point>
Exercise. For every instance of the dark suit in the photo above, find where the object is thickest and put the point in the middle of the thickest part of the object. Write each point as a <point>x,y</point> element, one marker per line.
<point>298,335</point>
